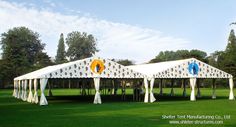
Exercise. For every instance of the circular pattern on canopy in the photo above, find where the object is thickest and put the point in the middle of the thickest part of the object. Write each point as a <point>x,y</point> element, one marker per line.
<point>97,66</point>
<point>193,68</point>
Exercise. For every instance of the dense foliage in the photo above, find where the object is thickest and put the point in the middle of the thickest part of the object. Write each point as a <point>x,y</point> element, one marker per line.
<point>179,54</point>
<point>22,51</point>
<point>80,45</point>
<point>124,62</point>
<point>61,53</point>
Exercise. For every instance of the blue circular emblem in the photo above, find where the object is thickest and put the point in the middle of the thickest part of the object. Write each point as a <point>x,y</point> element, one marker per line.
<point>193,68</point>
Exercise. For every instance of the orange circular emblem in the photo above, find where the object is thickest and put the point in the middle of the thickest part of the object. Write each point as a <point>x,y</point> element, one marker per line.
<point>97,66</point>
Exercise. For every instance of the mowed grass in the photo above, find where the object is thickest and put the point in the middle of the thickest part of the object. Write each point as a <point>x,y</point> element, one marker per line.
<point>68,109</point>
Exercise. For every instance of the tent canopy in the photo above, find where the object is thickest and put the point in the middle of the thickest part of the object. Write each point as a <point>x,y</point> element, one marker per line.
<point>186,68</point>
<point>85,68</point>
<point>96,68</point>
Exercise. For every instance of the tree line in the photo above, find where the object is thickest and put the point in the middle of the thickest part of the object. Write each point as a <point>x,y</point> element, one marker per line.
<point>23,52</point>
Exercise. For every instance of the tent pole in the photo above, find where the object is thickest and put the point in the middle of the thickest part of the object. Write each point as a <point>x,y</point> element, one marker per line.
<point>192,84</point>
<point>184,86</point>
<point>172,89</point>
<point>123,90</point>
<point>160,86</point>
<point>198,88</point>
<point>49,87</point>
<point>63,83</point>
<point>213,88</point>
<point>231,87</point>
<point>69,83</point>
<point>97,98</point>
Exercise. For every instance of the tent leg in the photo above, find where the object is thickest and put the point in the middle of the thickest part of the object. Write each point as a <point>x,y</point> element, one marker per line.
<point>172,89</point>
<point>97,98</point>
<point>69,83</point>
<point>184,86</point>
<point>231,86</point>
<point>198,89</point>
<point>49,91</point>
<point>146,90</point>
<point>192,84</point>
<point>160,86</point>
<point>19,89</point>
<point>213,89</point>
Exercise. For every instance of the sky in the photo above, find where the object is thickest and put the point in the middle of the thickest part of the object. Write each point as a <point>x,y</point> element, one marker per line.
<point>126,29</point>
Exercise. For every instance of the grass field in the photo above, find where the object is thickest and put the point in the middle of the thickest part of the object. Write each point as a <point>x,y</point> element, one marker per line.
<point>78,111</point>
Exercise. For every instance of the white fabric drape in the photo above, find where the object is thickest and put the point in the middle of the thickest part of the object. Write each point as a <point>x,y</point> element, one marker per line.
<point>14,90</point>
<point>97,98</point>
<point>152,98</point>
<point>146,90</point>
<point>35,98</point>
<point>193,84</point>
<point>18,95</point>
<point>22,90</point>
<point>231,86</point>
<point>30,96</point>
<point>43,83</point>
<point>25,90</point>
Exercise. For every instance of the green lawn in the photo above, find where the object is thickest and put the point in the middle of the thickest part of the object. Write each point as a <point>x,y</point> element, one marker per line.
<point>77,111</point>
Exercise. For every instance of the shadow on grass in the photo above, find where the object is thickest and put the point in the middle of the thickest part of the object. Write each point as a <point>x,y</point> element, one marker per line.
<point>128,98</point>
<point>90,98</point>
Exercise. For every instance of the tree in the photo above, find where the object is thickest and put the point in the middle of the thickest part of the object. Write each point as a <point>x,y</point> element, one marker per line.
<point>180,54</point>
<point>230,55</point>
<point>124,62</point>
<point>42,60</point>
<point>216,59</point>
<point>80,45</point>
<point>164,56</point>
<point>198,54</point>
<point>21,48</point>
<point>61,53</point>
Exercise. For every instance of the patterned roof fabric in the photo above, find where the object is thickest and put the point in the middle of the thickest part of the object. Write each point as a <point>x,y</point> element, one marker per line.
<point>186,68</point>
<point>85,68</point>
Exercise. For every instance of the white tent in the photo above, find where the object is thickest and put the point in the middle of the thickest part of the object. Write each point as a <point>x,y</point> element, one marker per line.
<point>93,67</point>
<point>187,68</point>
<point>97,68</point>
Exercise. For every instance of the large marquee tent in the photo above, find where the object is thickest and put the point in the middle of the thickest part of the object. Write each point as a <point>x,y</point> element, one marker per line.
<point>93,67</point>
<point>192,69</point>
<point>97,68</point>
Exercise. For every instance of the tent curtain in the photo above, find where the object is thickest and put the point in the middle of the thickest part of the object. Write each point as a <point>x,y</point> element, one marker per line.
<point>146,90</point>
<point>14,90</point>
<point>25,90</point>
<point>35,98</point>
<point>30,96</point>
<point>231,86</point>
<point>18,95</point>
<point>193,84</point>
<point>22,90</point>
<point>152,98</point>
<point>43,83</point>
<point>97,98</point>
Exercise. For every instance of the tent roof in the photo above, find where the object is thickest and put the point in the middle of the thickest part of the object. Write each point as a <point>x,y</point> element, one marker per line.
<point>82,69</point>
<point>180,69</point>
<point>169,69</point>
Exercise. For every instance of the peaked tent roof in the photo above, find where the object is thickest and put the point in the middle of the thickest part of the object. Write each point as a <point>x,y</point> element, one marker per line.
<point>82,69</point>
<point>180,69</point>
